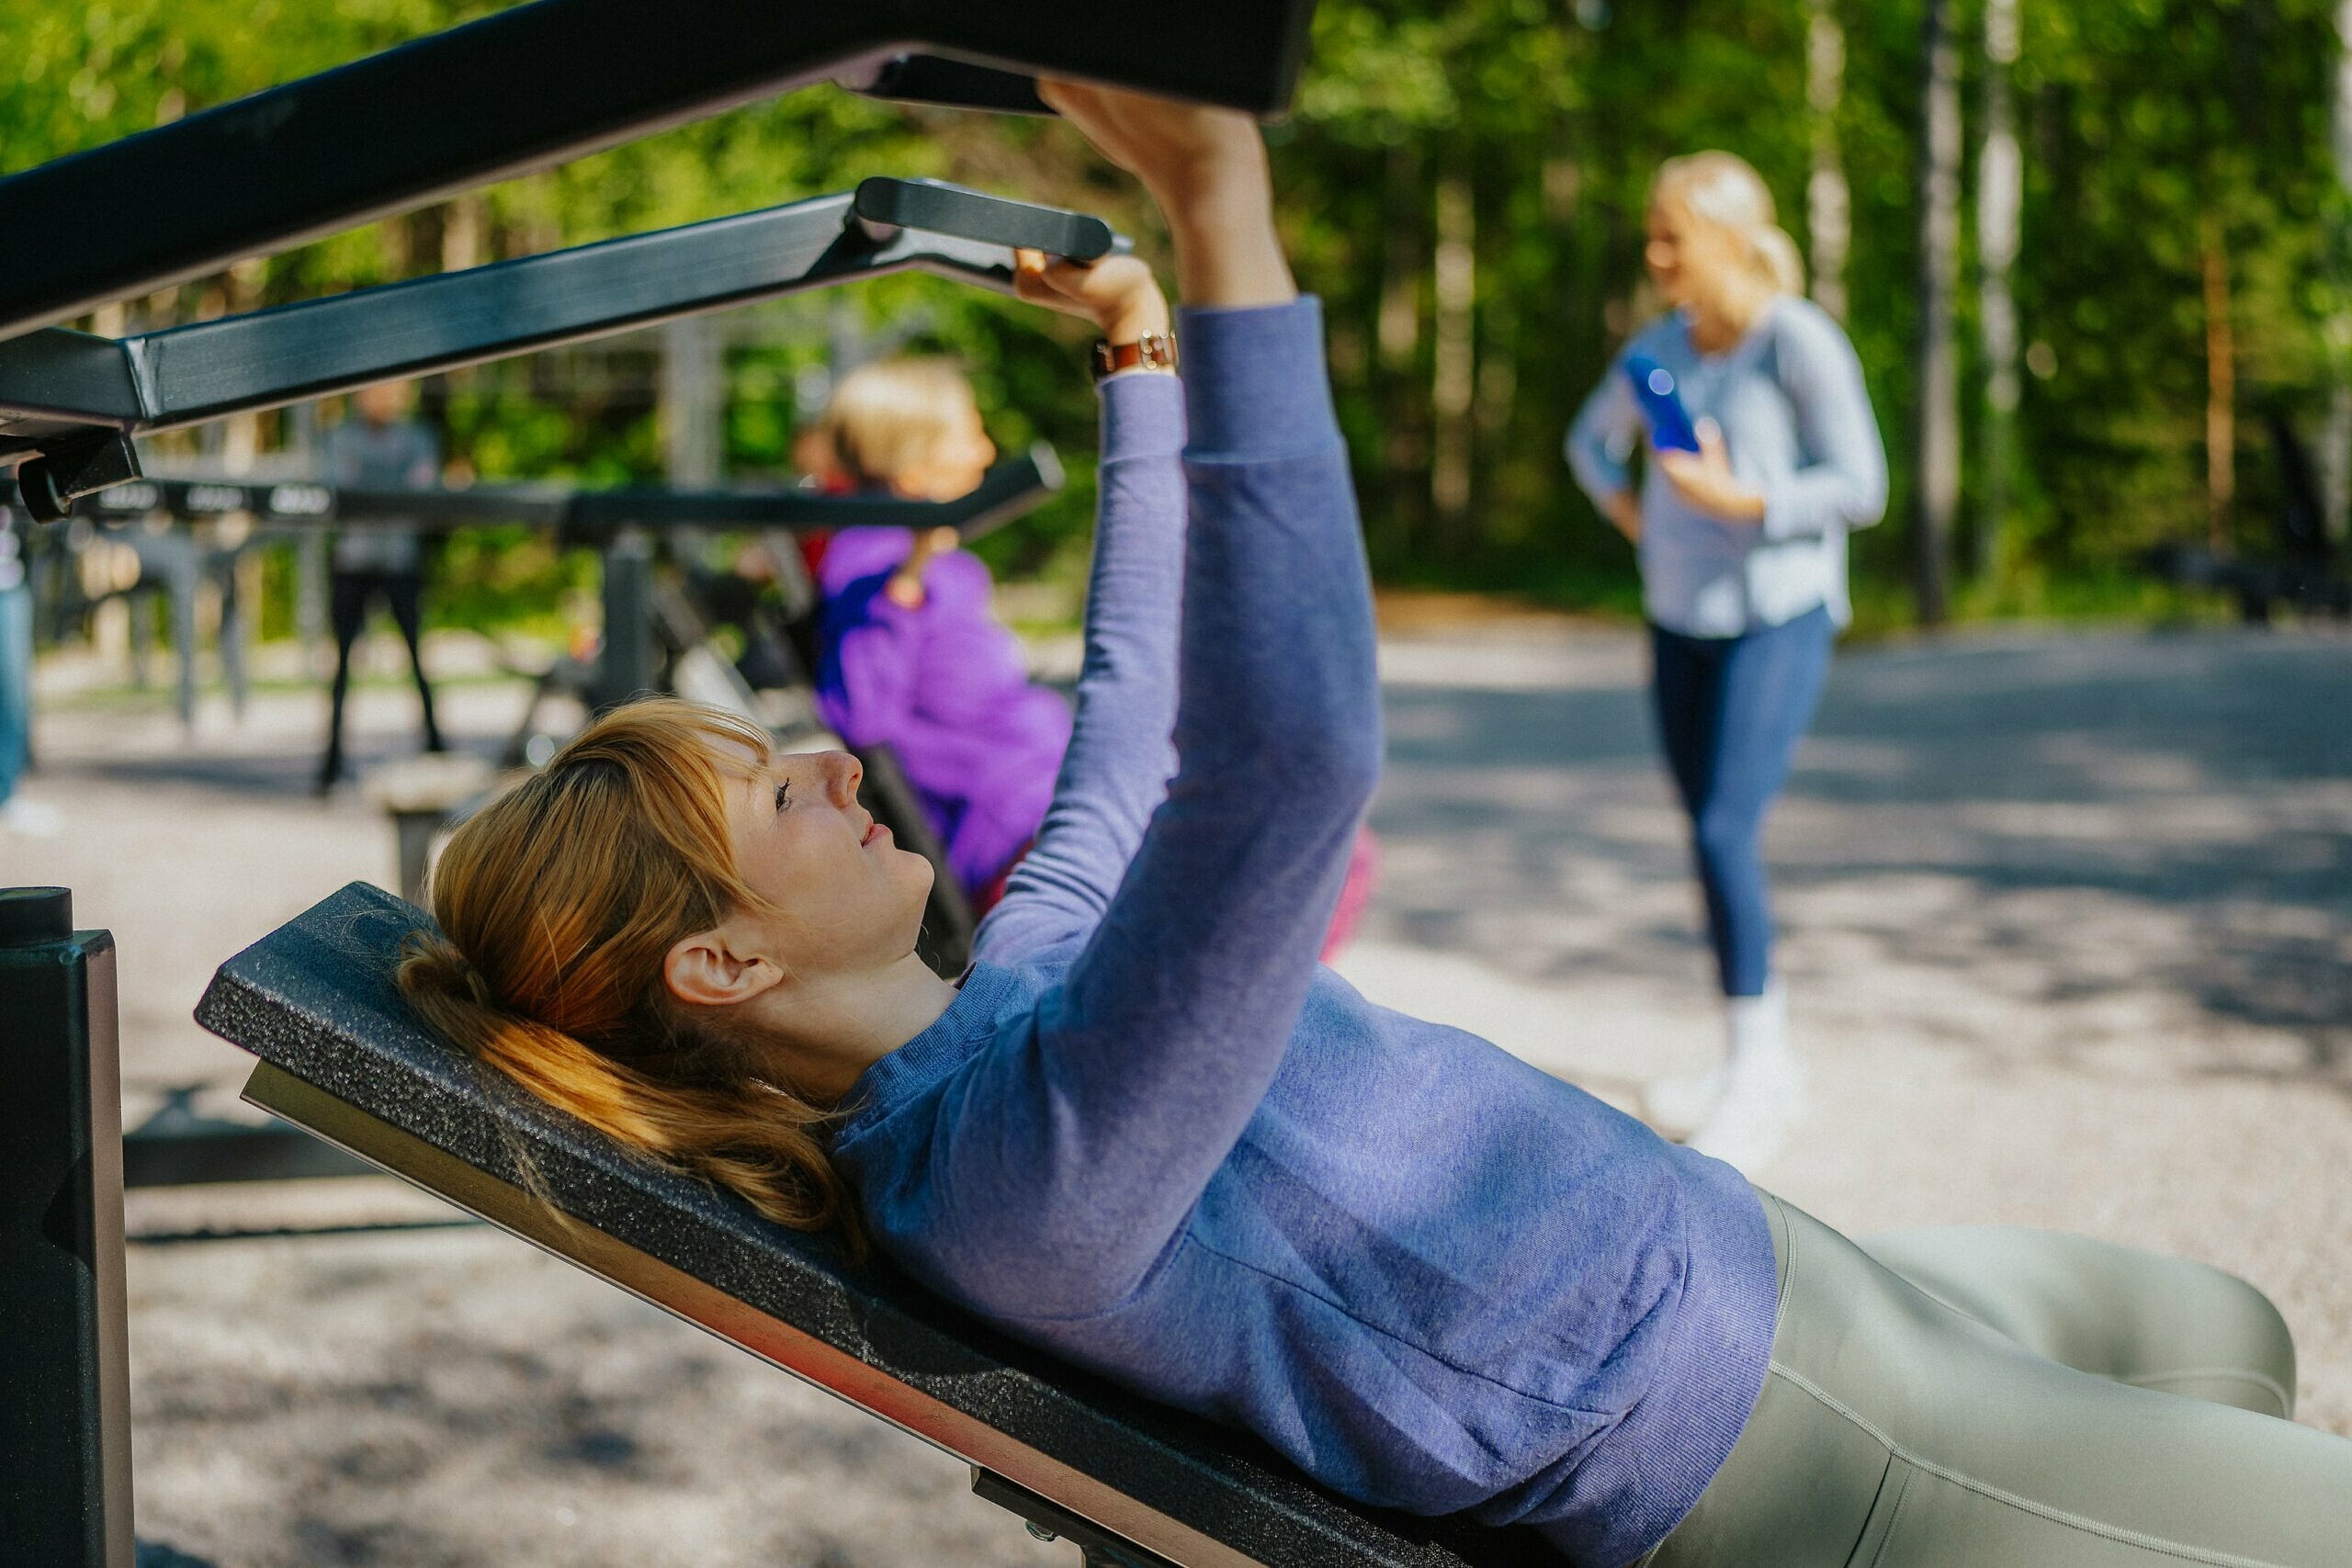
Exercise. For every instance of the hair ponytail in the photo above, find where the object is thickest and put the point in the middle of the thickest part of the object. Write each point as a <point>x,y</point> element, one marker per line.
<point>1724,189</point>
<point>560,900</point>
<point>1777,258</point>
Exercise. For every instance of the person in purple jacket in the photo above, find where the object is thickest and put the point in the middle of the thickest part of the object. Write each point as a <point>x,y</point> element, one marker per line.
<point>912,654</point>
<point>1147,1133</point>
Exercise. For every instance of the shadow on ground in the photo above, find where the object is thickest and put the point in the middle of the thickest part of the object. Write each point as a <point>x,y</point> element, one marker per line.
<point>2062,822</point>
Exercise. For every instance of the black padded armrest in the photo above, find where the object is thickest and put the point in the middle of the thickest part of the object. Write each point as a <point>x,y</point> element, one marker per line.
<point>342,1055</point>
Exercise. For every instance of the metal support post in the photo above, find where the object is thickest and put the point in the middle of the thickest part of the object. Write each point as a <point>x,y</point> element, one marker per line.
<point>1048,1520</point>
<point>64,1381</point>
<point>1012,489</point>
<point>624,669</point>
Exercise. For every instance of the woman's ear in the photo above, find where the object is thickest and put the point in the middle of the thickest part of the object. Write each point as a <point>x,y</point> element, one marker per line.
<point>709,969</point>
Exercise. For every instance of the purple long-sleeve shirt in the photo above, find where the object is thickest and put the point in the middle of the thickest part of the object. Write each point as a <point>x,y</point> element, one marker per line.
<point>945,687</point>
<point>1154,1137</point>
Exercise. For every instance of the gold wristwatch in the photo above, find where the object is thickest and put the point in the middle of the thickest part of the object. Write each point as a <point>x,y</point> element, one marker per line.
<point>1153,351</point>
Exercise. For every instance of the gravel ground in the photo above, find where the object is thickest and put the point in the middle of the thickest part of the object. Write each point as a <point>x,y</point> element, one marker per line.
<point>2068,929</point>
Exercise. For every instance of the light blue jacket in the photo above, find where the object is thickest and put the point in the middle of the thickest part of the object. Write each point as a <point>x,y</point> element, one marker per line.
<point>1797,422</point>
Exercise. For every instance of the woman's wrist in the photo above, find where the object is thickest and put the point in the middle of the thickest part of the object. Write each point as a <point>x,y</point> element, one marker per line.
<point>1132,320</point>
<point>1227,252</point>
<point>1222,267</point>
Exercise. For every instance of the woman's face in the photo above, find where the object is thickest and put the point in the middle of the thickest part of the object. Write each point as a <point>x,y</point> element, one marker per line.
<point>1690,260</point>
<point>846,897</point>
<point>954,467</point>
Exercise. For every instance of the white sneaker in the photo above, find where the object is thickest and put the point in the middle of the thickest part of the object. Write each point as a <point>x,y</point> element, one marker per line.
<point>1763,1096</point>
<point>1762,1085</point>
<point>29,819</point>
<point>1681,1103</point>
<point>1757,1025</point>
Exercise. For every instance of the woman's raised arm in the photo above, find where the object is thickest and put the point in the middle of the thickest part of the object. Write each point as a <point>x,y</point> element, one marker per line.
<point>1075,1152</point>
<point>1116,771</point>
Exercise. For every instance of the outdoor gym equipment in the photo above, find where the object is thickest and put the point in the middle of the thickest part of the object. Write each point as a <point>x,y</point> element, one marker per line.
<point>1135,1484</point>
<point>65,1385</point>
<point>612,521</point>
<point>78,398</point>
<point>2301,567</point>
<point>541,84</point>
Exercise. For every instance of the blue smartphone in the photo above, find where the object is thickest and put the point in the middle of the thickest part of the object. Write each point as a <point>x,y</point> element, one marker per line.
<point>1653,387</point>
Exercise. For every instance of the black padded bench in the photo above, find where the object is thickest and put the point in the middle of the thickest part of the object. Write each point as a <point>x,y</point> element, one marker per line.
<point>1132,1483</point>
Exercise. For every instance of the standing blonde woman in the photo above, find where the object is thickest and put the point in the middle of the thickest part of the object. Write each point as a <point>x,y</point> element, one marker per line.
<point>1743,553</point>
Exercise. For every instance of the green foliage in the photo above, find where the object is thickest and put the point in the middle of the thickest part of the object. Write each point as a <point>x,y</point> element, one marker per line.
<point>2152,130</point>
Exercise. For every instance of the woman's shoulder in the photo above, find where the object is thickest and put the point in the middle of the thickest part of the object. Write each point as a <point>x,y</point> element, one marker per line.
<point>1799,323</point>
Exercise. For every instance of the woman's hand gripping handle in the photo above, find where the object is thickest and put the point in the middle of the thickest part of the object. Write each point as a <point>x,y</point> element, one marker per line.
<point>1207,168</point>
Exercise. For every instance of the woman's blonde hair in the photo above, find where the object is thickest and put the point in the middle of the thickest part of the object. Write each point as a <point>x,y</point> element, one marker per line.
<point>1724,189</point>
<point>886,418</point>
<point>559,903</point>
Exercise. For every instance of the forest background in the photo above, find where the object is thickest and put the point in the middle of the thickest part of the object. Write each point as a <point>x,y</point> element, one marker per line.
<point>2089,253</point>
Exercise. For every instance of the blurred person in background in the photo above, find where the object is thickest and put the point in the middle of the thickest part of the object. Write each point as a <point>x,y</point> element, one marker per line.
<point>1743,554</point>
<point>912,654</point>
<point>29,818</point>
<point>381,445</point>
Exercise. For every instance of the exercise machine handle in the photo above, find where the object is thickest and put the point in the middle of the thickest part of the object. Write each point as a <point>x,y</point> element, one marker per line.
<point>934,206</point>
<point>952,84</point>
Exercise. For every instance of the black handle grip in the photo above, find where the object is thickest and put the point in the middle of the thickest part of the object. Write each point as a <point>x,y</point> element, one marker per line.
<point>930,79</point>
<point>937,208</point>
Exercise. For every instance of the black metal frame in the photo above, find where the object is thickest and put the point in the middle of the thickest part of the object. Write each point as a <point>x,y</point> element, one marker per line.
<point>65,1382</point>
<point>2299,567</point>
<point>1009,489</point>
<point>552,81</point>
<point>76,397</point>
<point>179,1146</point>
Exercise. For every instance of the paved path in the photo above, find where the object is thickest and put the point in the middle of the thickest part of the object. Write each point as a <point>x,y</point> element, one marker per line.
<point>2069,931</point>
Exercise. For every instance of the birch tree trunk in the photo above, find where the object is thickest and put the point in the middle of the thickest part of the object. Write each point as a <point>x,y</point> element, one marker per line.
<point>2000,181</point>
<point>1937,480</point>
<point>2335,453</point>
<point>2221,390</point>
<point>694,401</point>
<point>1397,334</point>
<point>462,226</point>
<point>1452,377</point>
<point>1829,204</point>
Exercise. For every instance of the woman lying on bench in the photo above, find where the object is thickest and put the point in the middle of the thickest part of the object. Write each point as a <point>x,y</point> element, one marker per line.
<point>1148,1134</point>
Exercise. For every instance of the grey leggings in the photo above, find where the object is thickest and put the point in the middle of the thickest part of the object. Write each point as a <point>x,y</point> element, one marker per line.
<point>1985,1398</point>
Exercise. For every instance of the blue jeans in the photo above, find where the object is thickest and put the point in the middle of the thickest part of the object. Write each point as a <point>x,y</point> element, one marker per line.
<point>1730,713</point>
<point>15,683</point>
